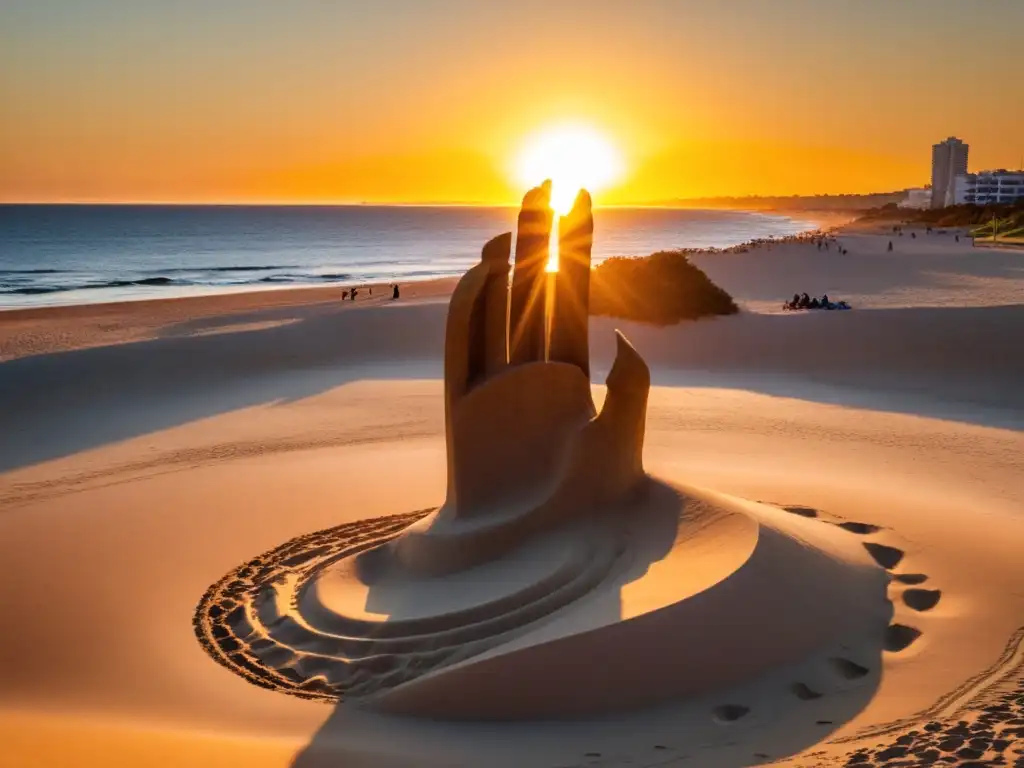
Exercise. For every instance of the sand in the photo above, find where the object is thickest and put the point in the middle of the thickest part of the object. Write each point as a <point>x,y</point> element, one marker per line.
<point>149,449</point>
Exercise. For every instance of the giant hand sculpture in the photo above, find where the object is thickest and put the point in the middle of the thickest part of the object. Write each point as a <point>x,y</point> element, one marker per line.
<point>526,449</point>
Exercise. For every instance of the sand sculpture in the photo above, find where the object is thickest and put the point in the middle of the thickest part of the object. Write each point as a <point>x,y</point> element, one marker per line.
<point>558,579</point>
<point>525,448</point>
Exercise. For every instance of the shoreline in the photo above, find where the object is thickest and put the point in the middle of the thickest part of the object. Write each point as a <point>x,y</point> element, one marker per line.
<point>812,221</point>
<point>45,330</point>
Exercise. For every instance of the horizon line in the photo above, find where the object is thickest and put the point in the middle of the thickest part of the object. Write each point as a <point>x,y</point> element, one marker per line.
<point>670,203</point>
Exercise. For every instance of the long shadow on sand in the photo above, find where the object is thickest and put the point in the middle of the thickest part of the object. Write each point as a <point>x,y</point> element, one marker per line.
<point>955,363</point>
<point>961,364</point>
<point>60,404</point>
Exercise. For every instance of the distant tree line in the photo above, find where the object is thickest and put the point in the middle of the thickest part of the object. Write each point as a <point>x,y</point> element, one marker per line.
<point>794,202</point>
<point>1009,218</point>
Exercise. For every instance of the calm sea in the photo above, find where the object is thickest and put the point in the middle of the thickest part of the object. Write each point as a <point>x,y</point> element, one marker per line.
<point>78,254</point>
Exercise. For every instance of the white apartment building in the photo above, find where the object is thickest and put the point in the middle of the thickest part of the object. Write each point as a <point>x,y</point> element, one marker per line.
<point>920,197</point>
<point>988,187</point>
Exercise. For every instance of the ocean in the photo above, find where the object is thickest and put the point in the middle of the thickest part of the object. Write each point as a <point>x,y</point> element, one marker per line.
<point>78,254</point>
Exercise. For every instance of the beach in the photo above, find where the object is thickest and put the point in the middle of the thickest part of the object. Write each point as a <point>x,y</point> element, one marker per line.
<point>149,447</point>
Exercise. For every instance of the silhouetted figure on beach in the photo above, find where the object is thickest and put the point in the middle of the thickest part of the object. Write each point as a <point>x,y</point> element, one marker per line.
<point>913,235</point>
<point>890,246</point>
<point>353,293</point>
<point>805,301</point>
<point>394,292</point>
<point>958,238</point>
<point>344,295</point>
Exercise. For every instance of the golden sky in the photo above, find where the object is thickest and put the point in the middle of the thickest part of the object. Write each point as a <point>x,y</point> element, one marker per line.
<point>431,100</point>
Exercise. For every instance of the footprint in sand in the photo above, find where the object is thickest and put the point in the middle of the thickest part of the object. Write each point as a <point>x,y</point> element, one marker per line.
<point>802,511</point>
<point>910,578</point>
<point>848,670</point>
<point>862,529</point>
<point>886,556</point>
<point>803,692</point>
<point>922,599</point>
<point>899,636</point>
<point>730,713</point>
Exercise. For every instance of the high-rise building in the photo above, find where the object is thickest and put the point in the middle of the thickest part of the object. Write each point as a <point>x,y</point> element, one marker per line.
<point>949,160</point>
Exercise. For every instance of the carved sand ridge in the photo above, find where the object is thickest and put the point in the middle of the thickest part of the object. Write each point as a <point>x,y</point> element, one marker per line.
<point>272,620</point>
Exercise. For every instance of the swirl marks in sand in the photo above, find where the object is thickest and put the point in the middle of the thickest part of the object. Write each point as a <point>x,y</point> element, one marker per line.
<point>328,614</point>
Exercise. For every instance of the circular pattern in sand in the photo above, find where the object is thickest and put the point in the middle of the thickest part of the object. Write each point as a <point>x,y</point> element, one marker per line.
<point>332,614</point>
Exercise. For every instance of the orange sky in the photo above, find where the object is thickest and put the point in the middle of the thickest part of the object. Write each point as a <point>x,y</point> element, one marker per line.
<point>406,101</point>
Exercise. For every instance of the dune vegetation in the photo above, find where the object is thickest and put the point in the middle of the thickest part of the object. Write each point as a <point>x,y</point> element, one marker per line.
<point>1008,218</point>
<point>661,289</point>
<point>1010,227</point>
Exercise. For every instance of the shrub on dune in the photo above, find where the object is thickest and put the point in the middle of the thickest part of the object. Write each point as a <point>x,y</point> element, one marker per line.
<point>662,289</point>
<point>1008,216</point>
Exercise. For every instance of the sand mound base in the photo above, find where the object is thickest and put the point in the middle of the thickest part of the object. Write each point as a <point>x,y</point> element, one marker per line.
<point>682,593</point>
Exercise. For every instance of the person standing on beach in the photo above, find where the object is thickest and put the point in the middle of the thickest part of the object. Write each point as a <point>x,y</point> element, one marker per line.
<point>890,245</point>
<point>394,293</point>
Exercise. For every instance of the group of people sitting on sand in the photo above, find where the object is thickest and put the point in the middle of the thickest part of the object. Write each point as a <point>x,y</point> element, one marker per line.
<point>803,301</point>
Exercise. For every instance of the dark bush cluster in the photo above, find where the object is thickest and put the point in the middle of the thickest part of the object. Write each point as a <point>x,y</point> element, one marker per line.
<point>662,289</point>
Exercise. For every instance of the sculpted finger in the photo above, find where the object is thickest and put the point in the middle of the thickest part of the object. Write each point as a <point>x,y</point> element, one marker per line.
<point>528,297</point>
<point>475,343</point>
<point>570,338</point>
<point>492,317</point>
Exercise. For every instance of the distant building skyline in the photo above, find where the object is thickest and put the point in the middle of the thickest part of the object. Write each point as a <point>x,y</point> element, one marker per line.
<point>949,160</point>
<point>953,184</point>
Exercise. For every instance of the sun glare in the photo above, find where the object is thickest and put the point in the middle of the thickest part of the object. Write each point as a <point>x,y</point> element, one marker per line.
<point>573,157</point>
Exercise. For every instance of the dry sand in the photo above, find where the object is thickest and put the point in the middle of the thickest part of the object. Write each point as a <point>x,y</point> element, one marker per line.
<point>148,449</point>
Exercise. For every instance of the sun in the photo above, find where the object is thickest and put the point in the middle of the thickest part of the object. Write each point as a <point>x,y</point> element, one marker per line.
<point>573,157</point>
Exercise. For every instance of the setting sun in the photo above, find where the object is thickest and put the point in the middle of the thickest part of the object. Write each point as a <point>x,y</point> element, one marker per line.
<point>573,157</point>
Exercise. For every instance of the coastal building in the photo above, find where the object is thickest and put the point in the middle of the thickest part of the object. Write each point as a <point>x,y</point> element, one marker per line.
<point>920,197</point>
<point>949,160</point>
<point>988,187</point>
